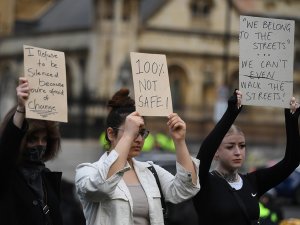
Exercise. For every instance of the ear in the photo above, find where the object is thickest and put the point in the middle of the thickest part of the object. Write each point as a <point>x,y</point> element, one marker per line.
<point>216,156</point>
<point>110,133</point>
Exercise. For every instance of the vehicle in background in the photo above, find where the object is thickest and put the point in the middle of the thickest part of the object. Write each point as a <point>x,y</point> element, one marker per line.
<point>179,214</point>
<point>290,187</point>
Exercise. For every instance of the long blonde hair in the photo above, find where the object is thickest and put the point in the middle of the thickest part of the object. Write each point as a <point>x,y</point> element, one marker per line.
<point>235,130</point>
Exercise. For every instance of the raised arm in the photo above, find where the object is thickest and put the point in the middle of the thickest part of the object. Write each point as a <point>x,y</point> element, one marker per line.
<point>211,143</point>
<point>132,124</point>
<point>270,177</point>
<point>22,94</point>
<point>177,128</point>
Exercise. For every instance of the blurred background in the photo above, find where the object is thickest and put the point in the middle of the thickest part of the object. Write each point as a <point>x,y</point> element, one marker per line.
<point>200,41</point>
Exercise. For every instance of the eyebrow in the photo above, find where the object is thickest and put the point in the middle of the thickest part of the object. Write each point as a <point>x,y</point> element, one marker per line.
<point>242,142</point>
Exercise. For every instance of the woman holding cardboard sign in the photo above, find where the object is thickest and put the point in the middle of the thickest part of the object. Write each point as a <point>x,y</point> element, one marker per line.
<point>29,193</point>
<point>118,189</point>
<point>226,196</point>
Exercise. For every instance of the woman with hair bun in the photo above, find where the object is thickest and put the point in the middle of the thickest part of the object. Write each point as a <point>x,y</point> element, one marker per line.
<point>118,189</point>
<point>30,192</point>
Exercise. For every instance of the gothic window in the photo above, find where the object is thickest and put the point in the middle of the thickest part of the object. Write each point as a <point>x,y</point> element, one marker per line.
<point>109,7</point>
<point>178,83</point>
<point>233,81</point>
<point>8,84</point>
<point>126,10</point>
<point>201,8</point>
<point>69,82</point>
<point>297,59</point>
<point>107,10</point>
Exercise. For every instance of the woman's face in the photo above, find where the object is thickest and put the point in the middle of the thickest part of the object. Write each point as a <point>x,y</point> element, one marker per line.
<point>36,145</point>
<point>137,144</point>
<point>37,138</point>
<point>231,152</point>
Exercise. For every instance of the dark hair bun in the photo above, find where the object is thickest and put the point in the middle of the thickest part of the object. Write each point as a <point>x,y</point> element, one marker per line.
<point>121,99</point>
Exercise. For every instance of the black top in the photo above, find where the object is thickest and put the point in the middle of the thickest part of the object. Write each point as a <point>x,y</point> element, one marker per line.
<point>215,203</point>
<point>20,203</point>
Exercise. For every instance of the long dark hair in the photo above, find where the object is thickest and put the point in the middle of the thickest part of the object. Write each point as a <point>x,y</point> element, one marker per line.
<point>33,126</point>
<point>120,105</point>
<point>53,136</point>
<point>6,119</point>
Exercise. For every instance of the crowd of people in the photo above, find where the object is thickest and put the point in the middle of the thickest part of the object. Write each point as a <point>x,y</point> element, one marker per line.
<point>117,188</point>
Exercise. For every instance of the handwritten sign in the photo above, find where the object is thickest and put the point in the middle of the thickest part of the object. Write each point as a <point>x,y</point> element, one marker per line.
<point>151,84</point>
<point>46,74</point>
<point>266,61</point>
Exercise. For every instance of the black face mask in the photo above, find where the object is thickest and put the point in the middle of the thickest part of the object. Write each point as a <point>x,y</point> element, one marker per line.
<point>35,154</point>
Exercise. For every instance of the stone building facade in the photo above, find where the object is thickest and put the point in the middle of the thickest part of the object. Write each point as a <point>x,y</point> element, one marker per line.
<point>198,37</point>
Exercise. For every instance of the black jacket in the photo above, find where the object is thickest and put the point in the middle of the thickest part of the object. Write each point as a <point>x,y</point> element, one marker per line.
<point>18,202</point>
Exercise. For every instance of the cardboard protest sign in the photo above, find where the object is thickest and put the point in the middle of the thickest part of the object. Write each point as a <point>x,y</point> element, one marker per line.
<point>151,84</point>
<point>266,61</point>
<point>46,73</point>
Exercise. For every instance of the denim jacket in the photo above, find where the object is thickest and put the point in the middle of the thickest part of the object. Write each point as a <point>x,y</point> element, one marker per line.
<point>108,201</point>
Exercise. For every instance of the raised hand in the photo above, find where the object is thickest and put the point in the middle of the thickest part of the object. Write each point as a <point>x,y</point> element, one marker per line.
<point>134,121</point>
<point>23,91</point>
<point>294,105</point>
<point>177,127</point>
<point>239,98</point>
<point>235,101</point>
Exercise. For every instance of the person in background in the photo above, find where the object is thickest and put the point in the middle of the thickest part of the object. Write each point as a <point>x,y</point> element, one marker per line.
<point>29,193</point>
<point>226,196</point>
<point>117,189</point>
<point>70,205</point>
<point>270,213</point>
